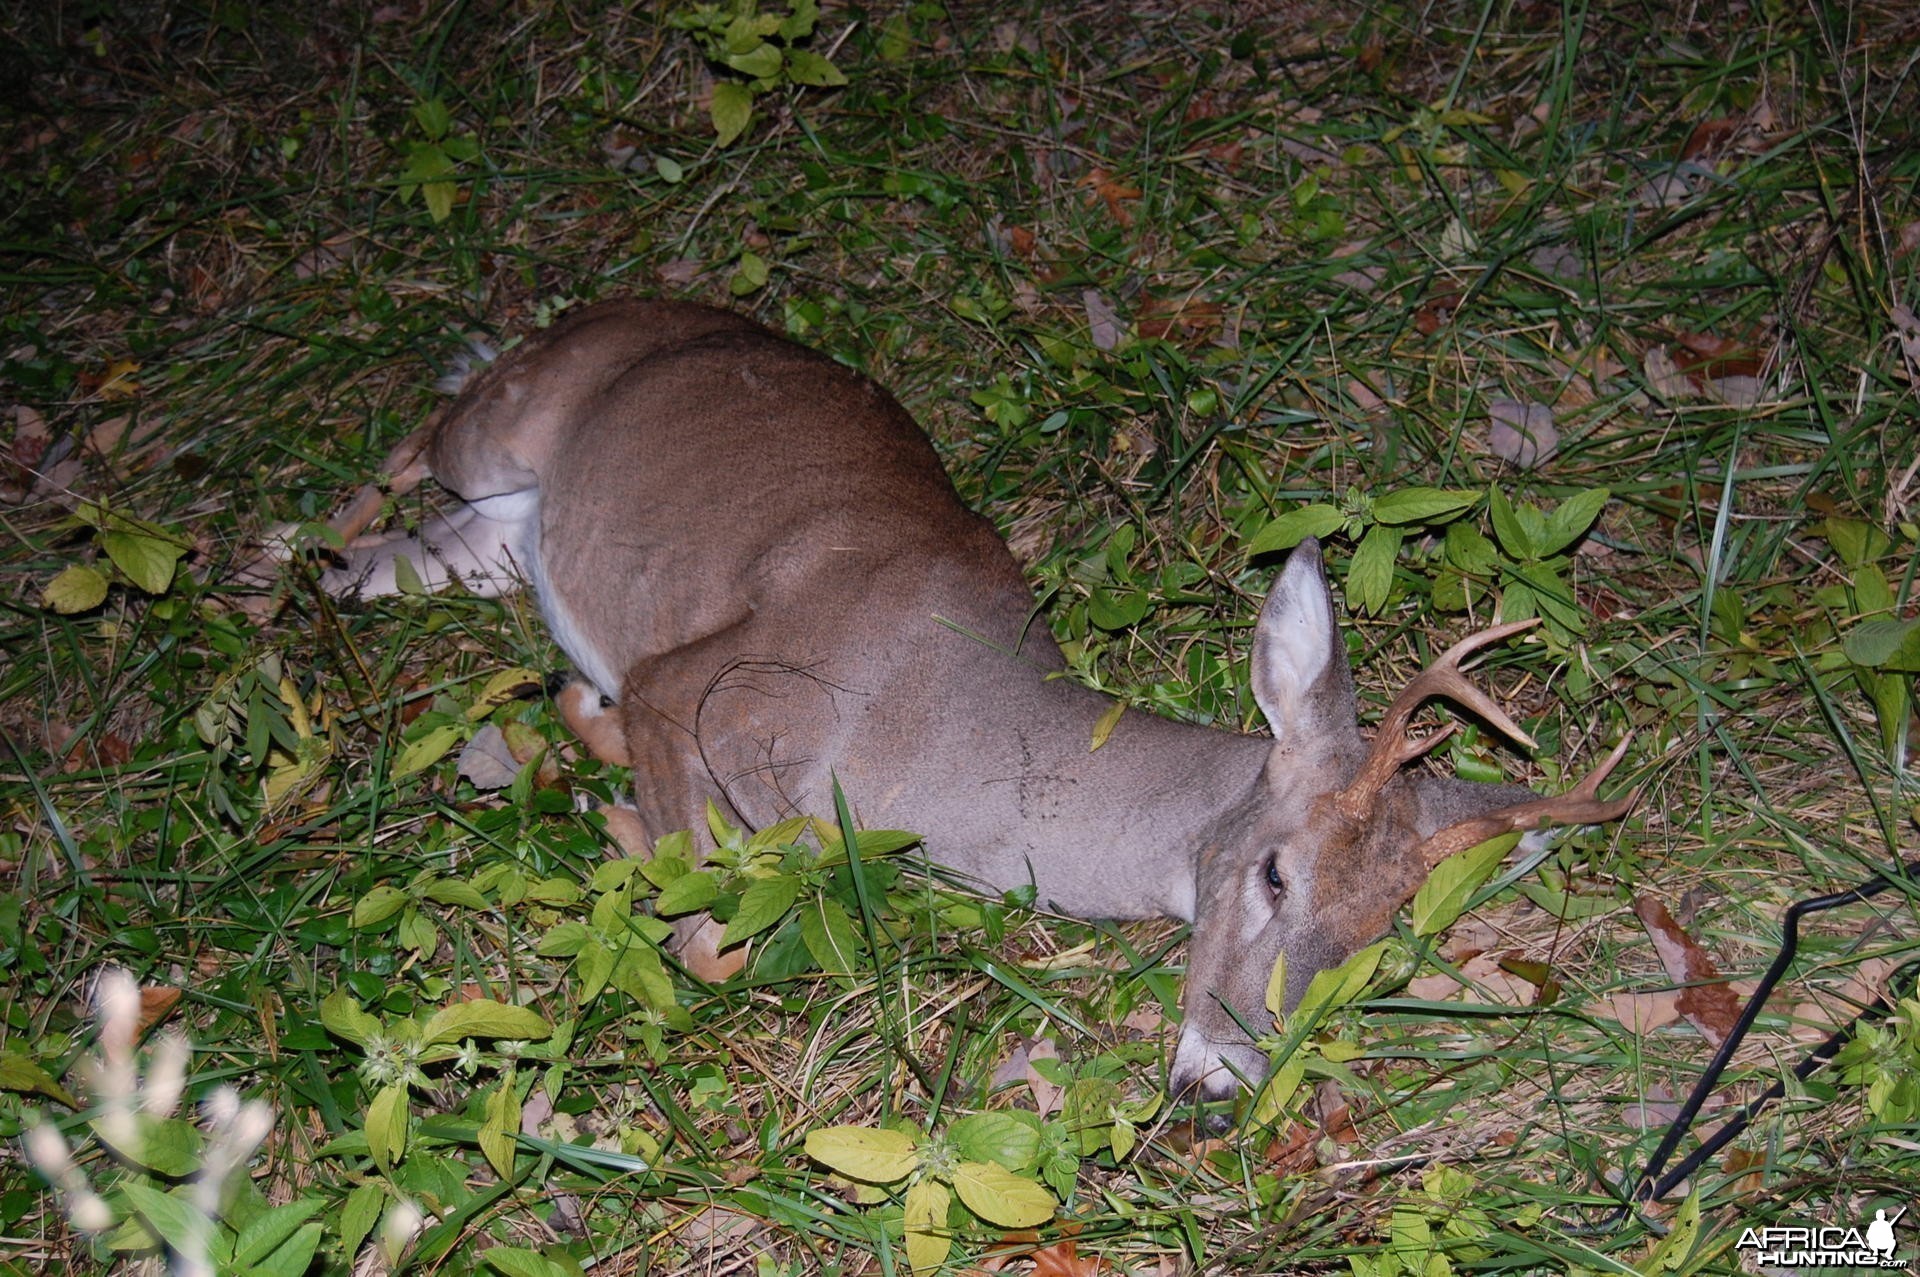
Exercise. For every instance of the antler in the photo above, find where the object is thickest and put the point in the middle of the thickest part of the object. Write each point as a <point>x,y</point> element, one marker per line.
<point>1581,805</point>
<point>1394,749</point>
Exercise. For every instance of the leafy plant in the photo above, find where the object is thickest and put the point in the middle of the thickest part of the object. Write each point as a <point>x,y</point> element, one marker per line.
<point>1885,1059</point>
<point>1884,649</point>
<point>435,157</point>
<point>758,52</point>
<point>169,1184</point>
<point>138,553</point>
<point>980,1171</point>
<point>1527,557</point>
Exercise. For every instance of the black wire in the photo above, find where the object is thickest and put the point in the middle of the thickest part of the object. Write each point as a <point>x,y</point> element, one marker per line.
<point>1647,1189</point>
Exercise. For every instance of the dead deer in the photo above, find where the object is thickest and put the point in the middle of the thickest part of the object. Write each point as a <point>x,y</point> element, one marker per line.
<point>753,555</point>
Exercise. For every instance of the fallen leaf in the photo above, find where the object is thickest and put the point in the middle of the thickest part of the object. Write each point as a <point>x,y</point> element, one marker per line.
<point>1163,317</point>
<point>1644,1012</point>
<point>1708,1002</point>
<point>1557,260</point>
<point>1663,375</point>
<point>1522,434</point>
<point>1115,194</point>
<point>1711,138</point>
<point>1438,311</point>
<point>1102,320</point>
<point>1906,331</point>
<point>486,761</point>
<point>157,1003</point>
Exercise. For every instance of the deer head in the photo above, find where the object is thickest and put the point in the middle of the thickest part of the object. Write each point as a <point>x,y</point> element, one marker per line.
<point>1342,833</point>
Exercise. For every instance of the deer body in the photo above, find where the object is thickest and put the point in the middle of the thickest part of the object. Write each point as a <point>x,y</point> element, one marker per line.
<point>755,554</point>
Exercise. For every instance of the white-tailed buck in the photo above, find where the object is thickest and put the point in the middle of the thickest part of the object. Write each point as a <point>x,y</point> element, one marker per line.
<point>753,554</point>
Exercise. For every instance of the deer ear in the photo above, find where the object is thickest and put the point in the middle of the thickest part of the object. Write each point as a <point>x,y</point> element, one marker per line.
<point>1300,676</point>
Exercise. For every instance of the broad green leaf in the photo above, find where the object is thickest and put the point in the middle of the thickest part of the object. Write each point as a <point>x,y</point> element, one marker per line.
<point>343,1017</point>
<point>1009,1139</point>
<point>164,1145</point>
<point>23,1075</point>
<point>685,894</point>
<point>1276,999</point>
<point>1117,609</point>
<point>359,1215</point>
<point>1673,1250</point>
<point>265,1233</point>
<point>750,275</point>
<point>1339,985</point>
<point>924,1216</point>
<point>873,1154</point>
<point>428,749</point>
<point>762,62</point>
<point>517,1261</point>
<point>763,903</point>
<point>665,868</point>
<point>1278,1091</point>
<point>501,689</point>
<point>1295,526</point>
<point>1087,1110</point>
<point>439,199</point>
<point>799,23</point>
<point>591,968</point>
<point>434,119</point>
<point>1571,519</point>
<point>1506,526</point>
<point>452,891</point>
<point>76,589</point>
<point>562,940</point>
<point>1469,550</point>
<point>387,1126</point>
<point>291,1258</point>
<point>148,561</point>
<point>483,1018</point>
<point>500,1129</point>
<point>1122,1138</point>
<point>1000,1197</point>
<point>1104,725</point>
<point>731,111</point>
<point>830,936</point>
<point>639,973</point>
<point>807,67</point>
<point>1421,505</point>
<point>170,1216</point>
<point>1442,898</point>
<point>1871,593</point>
<point>1370,574</point>
<point>416,931</point>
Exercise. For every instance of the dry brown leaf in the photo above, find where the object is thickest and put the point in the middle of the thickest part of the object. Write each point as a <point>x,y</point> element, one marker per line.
<point>1438,311</point>
<point>1708,1002</point>
<point>1711,138</point>
<point>156,1005</point>
<point>1164,317</point>
<point>1521,433</point>
<point>1103,321</point>
<point>1063,1259</point>
<point>1664,376</point>
<point>1644,1012</point>
<point>1105,189</point>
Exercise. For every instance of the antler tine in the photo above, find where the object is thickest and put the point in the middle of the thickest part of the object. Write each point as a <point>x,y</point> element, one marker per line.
<point>1393,749</point>
<point>1581,805</point>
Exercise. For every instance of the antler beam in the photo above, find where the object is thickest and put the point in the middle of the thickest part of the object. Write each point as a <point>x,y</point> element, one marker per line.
<point>1581,805</point>
<point>1393,748</point>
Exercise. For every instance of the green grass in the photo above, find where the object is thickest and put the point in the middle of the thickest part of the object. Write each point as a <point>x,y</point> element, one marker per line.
<point>1330,242</point>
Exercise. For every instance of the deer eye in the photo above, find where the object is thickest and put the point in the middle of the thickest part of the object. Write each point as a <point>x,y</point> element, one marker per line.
<point>1275,883</point>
